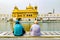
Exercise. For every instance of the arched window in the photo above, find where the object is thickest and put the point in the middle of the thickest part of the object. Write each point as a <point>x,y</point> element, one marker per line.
<point>29,19</point>
<point>29,15</point>
<point>35,18</point>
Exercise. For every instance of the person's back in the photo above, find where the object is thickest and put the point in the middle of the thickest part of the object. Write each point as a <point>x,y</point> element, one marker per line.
<point>18,29</point>
<point>35,30</point>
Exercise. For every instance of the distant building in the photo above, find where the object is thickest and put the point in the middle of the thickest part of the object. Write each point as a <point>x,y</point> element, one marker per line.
<point>49,16</point>
<point>30,13</point>
<point>5,16</point>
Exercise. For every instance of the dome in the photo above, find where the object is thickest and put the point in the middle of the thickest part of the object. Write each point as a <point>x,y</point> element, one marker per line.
<point>29,7</point>
<point>35,7</point>
<point>15,7</point>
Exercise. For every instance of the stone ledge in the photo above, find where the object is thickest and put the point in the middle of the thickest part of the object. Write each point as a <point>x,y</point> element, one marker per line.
<point>27,35</point>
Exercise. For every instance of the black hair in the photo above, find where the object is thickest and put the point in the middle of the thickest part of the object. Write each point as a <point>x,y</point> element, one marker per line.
<point>17,23</point>
<point>19,19</point>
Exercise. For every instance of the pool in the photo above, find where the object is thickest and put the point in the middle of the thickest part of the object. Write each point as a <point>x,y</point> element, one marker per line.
<point>45,26</point>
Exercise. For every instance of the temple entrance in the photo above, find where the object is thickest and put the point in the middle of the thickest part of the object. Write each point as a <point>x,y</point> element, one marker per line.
<point>29,19</point>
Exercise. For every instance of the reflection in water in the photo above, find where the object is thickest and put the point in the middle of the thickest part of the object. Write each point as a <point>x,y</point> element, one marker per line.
<point>47,26</point>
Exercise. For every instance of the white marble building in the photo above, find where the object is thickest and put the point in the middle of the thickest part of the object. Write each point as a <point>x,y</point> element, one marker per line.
<point>5,16</point>
<point>54,16</point>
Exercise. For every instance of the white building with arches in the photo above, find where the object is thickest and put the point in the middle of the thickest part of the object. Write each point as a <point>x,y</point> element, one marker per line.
<point>55,16</point>
<point>5,16</point>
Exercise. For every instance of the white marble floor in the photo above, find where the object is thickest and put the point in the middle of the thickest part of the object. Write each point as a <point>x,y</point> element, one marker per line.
<point>28,34</point>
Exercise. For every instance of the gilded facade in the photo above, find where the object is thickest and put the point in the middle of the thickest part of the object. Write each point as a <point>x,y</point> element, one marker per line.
<point>29,13</point>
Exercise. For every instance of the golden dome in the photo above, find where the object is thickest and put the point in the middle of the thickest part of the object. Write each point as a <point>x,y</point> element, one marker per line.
<point>29,7</point>
<point>35,7</point>
<point>15,7</point>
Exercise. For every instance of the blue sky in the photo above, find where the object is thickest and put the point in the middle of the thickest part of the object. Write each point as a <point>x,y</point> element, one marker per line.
<point>44,6</point>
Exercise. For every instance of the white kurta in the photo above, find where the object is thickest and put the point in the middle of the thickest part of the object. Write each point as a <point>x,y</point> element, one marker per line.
<point>35,30</point>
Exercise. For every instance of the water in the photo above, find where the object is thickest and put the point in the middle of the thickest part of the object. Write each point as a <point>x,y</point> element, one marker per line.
<point>5,26</point>
<point>45,26</point>
<point>50,26</point>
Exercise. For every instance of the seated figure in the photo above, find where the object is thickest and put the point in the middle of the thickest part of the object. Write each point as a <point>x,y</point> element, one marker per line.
<point>18,29</point>
<point>35,29</point>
